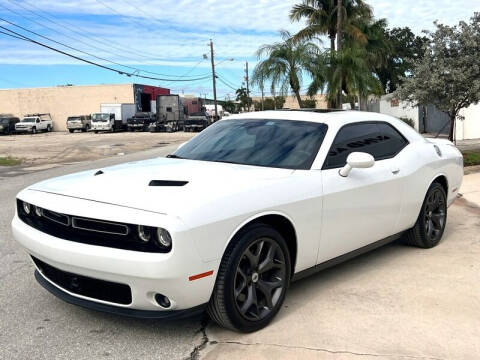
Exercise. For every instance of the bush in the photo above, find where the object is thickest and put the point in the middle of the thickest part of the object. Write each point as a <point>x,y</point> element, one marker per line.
<point>309,104</point>
<point>408,121</point>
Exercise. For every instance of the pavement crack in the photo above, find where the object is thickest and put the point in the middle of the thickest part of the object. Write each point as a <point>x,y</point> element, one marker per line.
<point>195,354</point>
<point>326,350</point>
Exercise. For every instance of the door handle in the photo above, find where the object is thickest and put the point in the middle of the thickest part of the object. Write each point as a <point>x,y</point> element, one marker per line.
<point>395,171</point>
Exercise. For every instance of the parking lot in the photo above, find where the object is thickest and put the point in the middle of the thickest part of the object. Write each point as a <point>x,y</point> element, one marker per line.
<point>396,302</point>
<point>46,150</point>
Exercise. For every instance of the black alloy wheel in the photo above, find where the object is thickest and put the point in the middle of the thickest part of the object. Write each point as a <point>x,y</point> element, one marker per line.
<point>252,280</point>
<point>260,279</point>
<point>435,215</point>
<point>428,230</point>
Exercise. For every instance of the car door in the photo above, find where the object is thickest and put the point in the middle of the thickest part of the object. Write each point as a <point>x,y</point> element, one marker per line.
<point>363,207</point>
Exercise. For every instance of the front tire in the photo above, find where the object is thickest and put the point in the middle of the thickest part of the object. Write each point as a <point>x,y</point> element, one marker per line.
<point>252,280</point>
<point>430,225</point>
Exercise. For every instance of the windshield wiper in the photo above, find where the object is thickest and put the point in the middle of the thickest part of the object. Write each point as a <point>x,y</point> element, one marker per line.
<point>173,156</point>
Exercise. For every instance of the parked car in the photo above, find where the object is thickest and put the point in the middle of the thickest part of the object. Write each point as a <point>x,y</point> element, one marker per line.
<point>82,123</point>
<point>34,123</point>
<point>7,124</point>
<point>141,121</point>
<point>196,122</point>
<point>228,220</point>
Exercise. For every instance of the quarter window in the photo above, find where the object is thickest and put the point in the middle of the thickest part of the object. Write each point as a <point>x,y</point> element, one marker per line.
<point>379,139</point>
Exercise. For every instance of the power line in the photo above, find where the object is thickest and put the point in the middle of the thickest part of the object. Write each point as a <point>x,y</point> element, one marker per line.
<point>83,42</point>
<point>27,39</point>
<point>75,49</point>
<point>71,28</point>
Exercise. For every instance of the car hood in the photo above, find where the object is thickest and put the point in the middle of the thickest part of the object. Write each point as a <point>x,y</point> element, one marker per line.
<point>163,185</point>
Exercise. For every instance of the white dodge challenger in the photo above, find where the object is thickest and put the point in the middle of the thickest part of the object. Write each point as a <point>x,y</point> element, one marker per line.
<point>228,220</point>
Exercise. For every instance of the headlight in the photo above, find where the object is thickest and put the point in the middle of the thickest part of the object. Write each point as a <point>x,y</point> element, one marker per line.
<point>144,233</point>
<point>164,238</point>
<point>27,208</point>
<point>160,236</point>
<point>38,211</point>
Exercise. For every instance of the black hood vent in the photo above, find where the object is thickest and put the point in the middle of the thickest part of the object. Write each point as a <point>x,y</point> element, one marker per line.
<point>99,172</point>
<point>167,183</point>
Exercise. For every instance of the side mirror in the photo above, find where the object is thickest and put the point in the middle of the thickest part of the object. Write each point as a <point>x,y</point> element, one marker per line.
<point>359,160</point>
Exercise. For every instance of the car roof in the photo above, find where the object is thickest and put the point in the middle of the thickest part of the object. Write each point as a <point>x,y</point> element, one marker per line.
<point>325,116</point>
<point>331,117</point>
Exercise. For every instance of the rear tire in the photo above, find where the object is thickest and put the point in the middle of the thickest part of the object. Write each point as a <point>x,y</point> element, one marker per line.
<point>252,280</point>
<point>430,225</point>
<point>49,128</point>
<point>34,130</point>
<point>71,131</point>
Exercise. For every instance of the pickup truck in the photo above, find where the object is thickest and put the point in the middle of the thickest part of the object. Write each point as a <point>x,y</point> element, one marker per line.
<point>82,122</point>
<point>34,123</point>
<point>141,121</point>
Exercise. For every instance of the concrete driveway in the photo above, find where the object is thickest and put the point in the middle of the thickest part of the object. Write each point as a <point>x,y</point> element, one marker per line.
<point>395,303</point>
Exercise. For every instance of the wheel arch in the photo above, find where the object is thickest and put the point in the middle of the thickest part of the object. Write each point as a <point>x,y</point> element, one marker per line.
<point>442,179</point>
<point>281,223</point>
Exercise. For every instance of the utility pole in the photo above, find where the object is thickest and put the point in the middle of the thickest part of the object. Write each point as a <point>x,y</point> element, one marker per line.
<point>214,80</point>
<point>248,88</point>
<point>339,48</point>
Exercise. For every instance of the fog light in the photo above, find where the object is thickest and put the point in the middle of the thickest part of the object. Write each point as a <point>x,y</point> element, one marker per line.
<point>38,211</point>
<point>27,208</point>
<point>164,238</point>
<point>162,300</point>
<point>144,233</point>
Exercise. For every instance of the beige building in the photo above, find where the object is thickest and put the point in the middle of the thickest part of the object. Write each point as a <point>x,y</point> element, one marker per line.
<point>64,101</point>
<point>292,103</point>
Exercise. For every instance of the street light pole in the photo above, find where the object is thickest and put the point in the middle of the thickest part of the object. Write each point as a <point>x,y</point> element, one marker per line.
<point>214,80</point>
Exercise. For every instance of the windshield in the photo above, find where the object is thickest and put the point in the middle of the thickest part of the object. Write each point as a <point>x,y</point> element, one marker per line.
<point>29,119</point>
<point>100,117</point>
<point>76,118</point>
<point>3,121</point>
<point>273,143</point>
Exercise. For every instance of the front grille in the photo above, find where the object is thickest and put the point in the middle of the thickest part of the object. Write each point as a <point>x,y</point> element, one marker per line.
<point>88,231</point>
<point>86,286</point>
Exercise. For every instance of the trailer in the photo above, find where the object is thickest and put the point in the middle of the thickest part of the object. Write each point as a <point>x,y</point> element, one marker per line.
<point>170,114</point>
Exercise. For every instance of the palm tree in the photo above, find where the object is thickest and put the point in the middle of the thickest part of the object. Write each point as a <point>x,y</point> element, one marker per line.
<point>321,19</point>
<point>285,63</point>
<point>324,18</point>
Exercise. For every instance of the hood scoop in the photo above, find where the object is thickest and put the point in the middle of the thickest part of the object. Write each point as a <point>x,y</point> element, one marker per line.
<point>167,183</point>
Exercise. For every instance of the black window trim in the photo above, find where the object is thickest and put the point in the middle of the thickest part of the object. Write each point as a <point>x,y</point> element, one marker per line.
<point>326,167</point>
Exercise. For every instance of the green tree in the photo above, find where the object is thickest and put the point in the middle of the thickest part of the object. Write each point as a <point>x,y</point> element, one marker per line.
<point>448,75</point>
<point>285,63</point>
<point>243,98</point>
<point>406,50</point>
<point>230,106</point>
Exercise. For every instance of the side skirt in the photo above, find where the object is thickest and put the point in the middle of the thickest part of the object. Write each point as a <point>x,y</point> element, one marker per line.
<point>345,257</point>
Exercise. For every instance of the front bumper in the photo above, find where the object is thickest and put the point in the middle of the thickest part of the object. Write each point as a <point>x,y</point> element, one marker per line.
<point>143,314</point>
<point>147,274</point>
<point>136,125</point>
<point>20,130</point>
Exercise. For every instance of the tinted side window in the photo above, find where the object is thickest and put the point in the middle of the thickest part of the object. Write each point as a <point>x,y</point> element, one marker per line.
<point>393,141</point>
<point>358,137</point>
<point>378,139</point>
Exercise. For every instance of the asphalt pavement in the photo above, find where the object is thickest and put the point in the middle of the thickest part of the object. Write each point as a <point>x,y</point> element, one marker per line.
<point>36,325</point>
<point>396,302</point>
